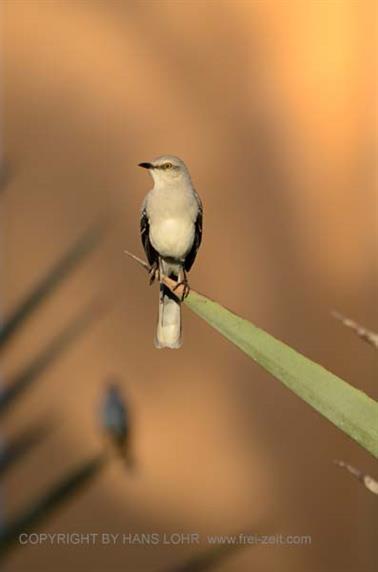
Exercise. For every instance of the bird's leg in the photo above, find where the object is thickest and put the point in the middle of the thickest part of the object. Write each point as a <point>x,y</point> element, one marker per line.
<point>182,280</point>
<point>154,272</point>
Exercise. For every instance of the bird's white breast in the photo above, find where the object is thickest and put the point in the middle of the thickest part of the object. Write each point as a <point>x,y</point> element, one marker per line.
<point>172,237</point>
<point>172,214</point>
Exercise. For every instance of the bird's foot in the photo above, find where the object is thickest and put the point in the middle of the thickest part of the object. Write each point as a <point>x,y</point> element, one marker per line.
<point>154,273</point>
<point>186,288</point>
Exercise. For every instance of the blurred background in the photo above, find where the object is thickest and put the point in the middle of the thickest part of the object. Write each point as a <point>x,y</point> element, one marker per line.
<point>271,105</point>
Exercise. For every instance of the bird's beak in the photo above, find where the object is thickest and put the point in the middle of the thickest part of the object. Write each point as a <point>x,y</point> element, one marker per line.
<point>146,165</point>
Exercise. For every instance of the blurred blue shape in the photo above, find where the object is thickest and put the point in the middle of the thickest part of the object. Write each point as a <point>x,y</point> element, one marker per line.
<point>116,421</point>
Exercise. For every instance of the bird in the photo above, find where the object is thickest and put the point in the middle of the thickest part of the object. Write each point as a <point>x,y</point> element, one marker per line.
<point>115,420</point>
<point>171,234</point>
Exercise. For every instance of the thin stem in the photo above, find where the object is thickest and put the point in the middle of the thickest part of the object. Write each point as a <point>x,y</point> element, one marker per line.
<point>171,284</point>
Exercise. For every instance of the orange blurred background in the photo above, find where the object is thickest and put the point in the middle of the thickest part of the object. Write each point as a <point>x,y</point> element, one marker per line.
<point>271,105</point>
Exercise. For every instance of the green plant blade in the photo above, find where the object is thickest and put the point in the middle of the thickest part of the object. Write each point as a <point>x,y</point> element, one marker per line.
<point>54,277</point>
<point>351,410</point>
<point>40,509</point>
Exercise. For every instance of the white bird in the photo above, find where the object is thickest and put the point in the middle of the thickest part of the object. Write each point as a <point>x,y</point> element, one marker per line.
<point>171,232</point>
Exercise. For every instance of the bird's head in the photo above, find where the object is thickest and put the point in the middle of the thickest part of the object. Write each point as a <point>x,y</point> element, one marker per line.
<point>167,169</point>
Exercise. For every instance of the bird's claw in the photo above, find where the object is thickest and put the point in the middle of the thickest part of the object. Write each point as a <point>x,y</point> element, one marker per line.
<point>186,288</point>
<point>153,273</point>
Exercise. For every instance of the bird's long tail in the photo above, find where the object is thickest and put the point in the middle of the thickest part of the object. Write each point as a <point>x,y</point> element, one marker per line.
<point>168,333</point>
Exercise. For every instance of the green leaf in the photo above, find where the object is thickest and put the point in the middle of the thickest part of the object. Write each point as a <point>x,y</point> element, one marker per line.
<point>351,410</point>
<point>53,278</point>
<point>41,508</point>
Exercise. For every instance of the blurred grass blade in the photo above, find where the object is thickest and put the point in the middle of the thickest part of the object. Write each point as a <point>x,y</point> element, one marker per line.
<point>362,332</point>
<point>54,277</point>
<point>208,559</point>
<point>15,449</point>
<point>349,409</point>
<point>40,509</point>
<point>23,380</point>
<point>368,482</point>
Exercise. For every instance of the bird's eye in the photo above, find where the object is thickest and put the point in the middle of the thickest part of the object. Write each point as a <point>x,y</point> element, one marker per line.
<point>167,166</point>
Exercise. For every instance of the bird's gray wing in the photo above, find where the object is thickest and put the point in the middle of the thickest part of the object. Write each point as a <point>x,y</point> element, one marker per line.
<point>191,256</point>
<point>152,255</point>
